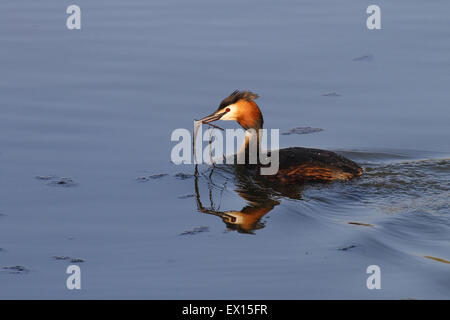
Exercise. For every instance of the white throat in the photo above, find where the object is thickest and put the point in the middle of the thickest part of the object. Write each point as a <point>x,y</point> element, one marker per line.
<point>252,144</point>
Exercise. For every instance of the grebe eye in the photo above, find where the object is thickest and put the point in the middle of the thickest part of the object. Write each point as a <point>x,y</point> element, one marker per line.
<point>227,110</point>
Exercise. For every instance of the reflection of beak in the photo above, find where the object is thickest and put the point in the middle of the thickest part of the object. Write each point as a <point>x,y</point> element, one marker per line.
<point>213,117</point>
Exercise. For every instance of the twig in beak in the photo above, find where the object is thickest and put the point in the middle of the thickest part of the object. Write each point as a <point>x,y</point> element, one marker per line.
<point>212,125</point>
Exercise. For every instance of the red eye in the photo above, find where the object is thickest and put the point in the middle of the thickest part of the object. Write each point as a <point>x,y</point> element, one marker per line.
<point>227,110</point>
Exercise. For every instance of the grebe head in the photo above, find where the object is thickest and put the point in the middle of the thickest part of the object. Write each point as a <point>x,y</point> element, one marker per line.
<point>241,107</point>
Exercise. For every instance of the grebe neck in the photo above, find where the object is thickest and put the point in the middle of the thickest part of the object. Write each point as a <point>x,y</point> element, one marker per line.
<point>251,146</point>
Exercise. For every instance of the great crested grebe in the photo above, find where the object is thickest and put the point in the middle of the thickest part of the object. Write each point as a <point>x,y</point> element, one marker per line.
<point>296,164</point>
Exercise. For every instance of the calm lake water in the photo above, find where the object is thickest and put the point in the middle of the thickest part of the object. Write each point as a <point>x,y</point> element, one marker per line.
<point>86,118</point>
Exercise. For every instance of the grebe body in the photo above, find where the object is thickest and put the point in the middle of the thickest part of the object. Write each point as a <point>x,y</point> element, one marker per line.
<point>307,164</point>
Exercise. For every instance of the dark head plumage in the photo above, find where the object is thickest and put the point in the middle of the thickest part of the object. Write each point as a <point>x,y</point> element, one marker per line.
<point>236,96</point>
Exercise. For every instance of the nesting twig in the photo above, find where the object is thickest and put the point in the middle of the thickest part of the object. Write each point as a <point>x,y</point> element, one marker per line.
<point>214,126</point>
<point>210,142</point>
<point>210,149</point>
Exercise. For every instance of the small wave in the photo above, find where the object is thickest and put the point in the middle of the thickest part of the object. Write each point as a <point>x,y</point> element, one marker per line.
<point>383,156</point>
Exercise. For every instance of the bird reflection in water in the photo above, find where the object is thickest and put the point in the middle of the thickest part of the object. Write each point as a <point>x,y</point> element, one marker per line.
<point>295,167</point>
<point>260,195</point>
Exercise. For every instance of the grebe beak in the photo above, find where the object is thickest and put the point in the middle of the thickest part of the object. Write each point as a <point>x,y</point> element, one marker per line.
<point>211,118</point>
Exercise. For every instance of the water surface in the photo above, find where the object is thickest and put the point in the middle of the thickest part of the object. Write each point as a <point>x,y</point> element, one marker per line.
<point>85,125</point>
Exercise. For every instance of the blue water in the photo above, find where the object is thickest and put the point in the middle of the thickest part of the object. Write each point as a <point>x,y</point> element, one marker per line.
<point>95,108</point>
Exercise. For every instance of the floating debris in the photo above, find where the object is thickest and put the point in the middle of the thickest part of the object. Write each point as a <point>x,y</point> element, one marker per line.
<point>61,257</point>
<point>151,177</point>
<point>65,258</point>
<point>46,178</point>
<point>157,176</point>
<point>437,259</point>
<point>361,224</point>
<point>57,181</point>
<point>366,57</point>
<point>186,196</point>
<point>347,247</point>
<point>16,269</point>
<point>301,130</point>
<point>63,182</point>
<point>183,176</point>
<point>331,94</point>
<point>195,231</point>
